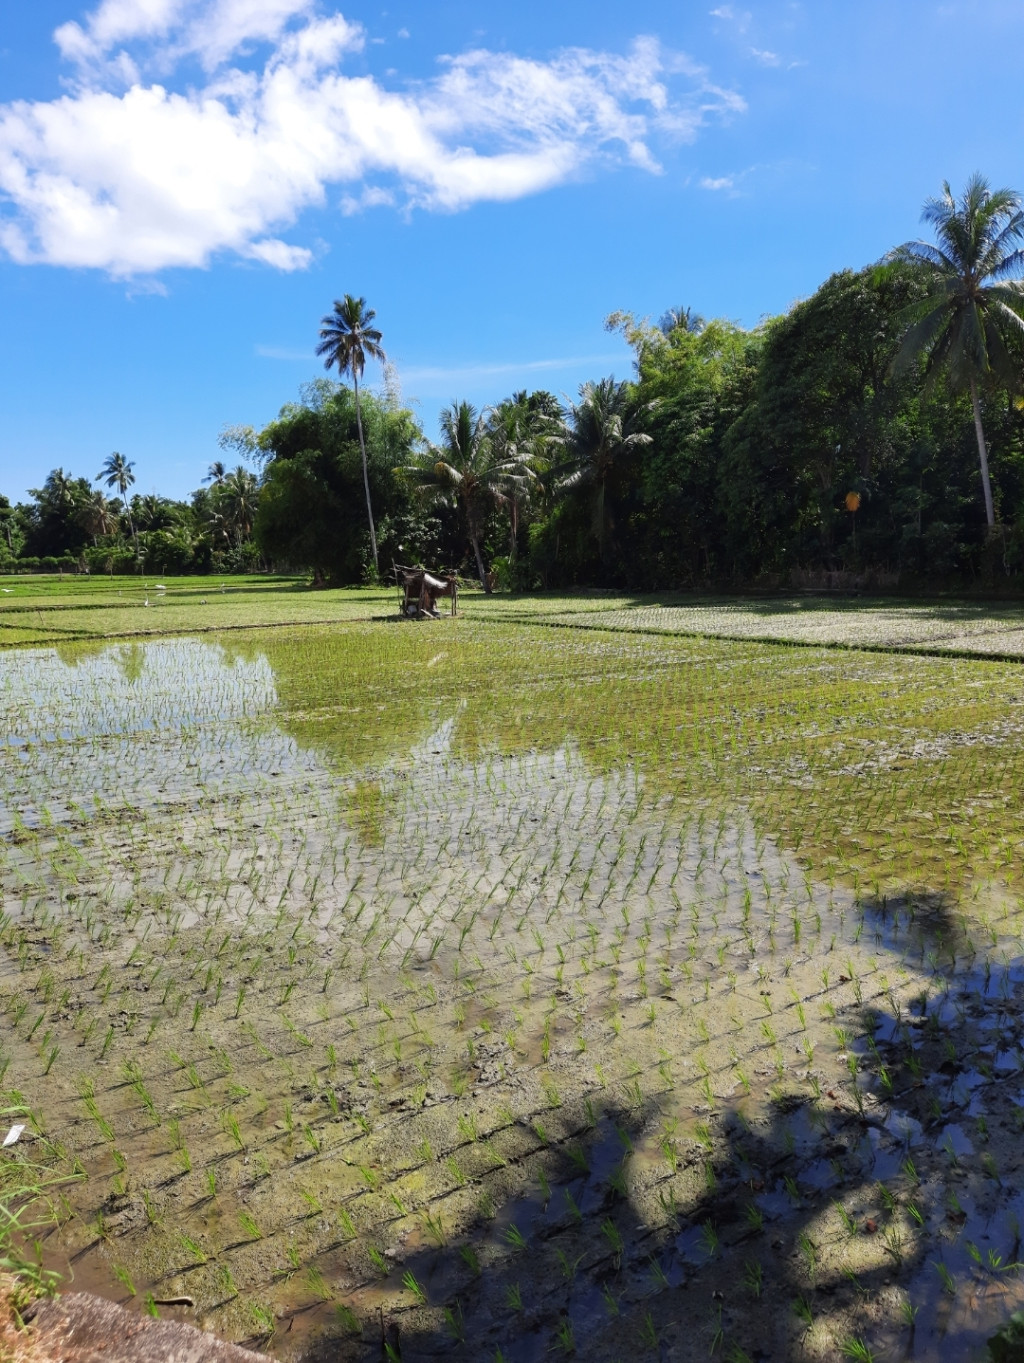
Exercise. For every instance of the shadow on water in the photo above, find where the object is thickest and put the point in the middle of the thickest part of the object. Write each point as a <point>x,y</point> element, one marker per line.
<point>664,1226</point>
<point>882,1215</point>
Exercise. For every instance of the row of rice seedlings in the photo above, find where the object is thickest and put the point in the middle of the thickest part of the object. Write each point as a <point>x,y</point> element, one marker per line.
<point>558,960</point>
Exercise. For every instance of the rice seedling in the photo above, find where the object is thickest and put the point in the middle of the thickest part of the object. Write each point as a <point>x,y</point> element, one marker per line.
<point>249,1225</point>
<point>855,1348</point>
<point>583,857</point>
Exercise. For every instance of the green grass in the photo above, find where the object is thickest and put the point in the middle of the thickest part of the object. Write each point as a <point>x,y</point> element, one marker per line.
<point>46,609</point>
<point>58,610</point>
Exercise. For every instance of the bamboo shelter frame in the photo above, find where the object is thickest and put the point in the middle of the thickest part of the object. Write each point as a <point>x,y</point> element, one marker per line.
<point>420,590</point>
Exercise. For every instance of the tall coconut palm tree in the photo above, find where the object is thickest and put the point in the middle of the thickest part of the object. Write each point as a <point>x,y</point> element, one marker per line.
<point>973,297</point>
<point>347,338</point>
<point>600,434</point>
<point>117,472</point>
<point>216,473</point>
<point>468,469</point>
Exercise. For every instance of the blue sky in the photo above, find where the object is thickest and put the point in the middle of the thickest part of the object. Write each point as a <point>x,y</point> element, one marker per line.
<point>185,185</point>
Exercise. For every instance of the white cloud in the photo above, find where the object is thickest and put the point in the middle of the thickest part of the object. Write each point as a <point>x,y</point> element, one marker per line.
<point>129,174</point>
<point>212,30</point>
<point>279,254</point>
<point>373,196</point>
<point>116,21</point>
<point>721,182</point>
<point>765,58</point>
<point>741,18</point>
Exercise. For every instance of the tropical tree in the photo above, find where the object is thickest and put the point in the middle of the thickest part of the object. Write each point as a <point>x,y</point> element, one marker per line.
<point>237,501</point>
<point>681,319</point>
<point>520,430</point>
<point>96,515</point>
<point>152,512</point>
<point>311,510</point>
<point>117,472</point>
<point>53,525</point>
<point>471,469</point>
<point>347,338</point>
<point>600,436</point>
<point>973,300</point>
<point>8,516</point>
<point>216,473</point>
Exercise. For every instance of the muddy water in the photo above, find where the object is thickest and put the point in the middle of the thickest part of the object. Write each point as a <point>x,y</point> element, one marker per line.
<point>490,1047</point>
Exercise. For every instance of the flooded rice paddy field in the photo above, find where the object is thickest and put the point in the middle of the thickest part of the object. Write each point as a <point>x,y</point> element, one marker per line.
<point>498,991</point>
<point>47,610</point>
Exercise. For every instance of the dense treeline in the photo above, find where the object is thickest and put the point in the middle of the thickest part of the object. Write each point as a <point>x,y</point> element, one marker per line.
<point>72,526</point>
<point>838,442</point>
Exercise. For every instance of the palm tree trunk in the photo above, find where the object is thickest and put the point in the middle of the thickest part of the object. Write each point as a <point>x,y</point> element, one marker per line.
<point>366,473</point>
<point>982,454</point>
<point>599,519</point>
<point>131,523</point>
<point>475,541</point>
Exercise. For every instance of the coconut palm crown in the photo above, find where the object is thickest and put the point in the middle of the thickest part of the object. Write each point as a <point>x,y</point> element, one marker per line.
<point>973,297</point>
<point>600,435</point>
<point>117,472</point>
<point>470,469</point>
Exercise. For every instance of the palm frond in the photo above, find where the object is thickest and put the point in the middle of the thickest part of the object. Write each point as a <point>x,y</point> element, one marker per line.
<point>1010,267</point>
<point>922,253</point>
<point>922,335</point>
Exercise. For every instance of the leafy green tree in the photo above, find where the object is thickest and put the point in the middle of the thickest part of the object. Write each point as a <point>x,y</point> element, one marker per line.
<point>8,522</point>
<point>54,526</point>
<point>472,469</point>
<point>347,338</point>
<point>216,474</point>
<point>117,471</point>
<point>973,299</point>
<point>694,380</point>
<point>822,419</point>
<point>308,510</point>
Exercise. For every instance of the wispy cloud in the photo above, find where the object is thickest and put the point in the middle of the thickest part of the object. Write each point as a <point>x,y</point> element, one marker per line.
<point>469,372</point>
<point>739,183</point>
<point>765,57</point>
<point>129,174</point>
<point>730,15</point>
